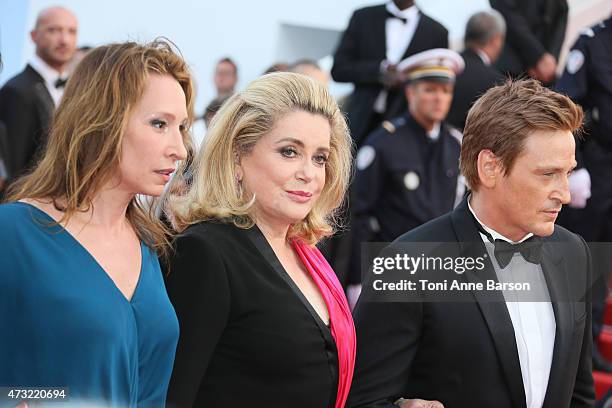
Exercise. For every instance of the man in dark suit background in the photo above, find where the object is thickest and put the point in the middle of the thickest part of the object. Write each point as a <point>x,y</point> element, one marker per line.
<point>376,39</point>
<point>536,30</point>
<point>484,40</point>
<point>492,350</point>
<point>27,101</point>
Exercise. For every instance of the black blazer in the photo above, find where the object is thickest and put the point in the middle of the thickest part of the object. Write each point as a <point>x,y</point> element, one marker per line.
<point>248,335</point>
<point>475,80</point>
<point>533,28</point>
<point>464,354</point>
<point>357,59</point>
<point>26,109</point>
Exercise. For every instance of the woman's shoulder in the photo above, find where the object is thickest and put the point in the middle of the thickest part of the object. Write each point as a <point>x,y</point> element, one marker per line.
<point>215,232</point>
<point>16,212</point>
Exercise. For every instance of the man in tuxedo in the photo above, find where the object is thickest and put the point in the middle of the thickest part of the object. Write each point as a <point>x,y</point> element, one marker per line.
<point>536,30</point>
<point>490,350</point>
<point>27,101</point>
<point>484,40</point>
<point>376,39</point>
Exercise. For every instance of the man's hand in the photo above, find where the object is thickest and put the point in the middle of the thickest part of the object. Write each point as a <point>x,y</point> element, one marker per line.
<point>418,403</point>
<point>391,78</point>
<point>545,69</point>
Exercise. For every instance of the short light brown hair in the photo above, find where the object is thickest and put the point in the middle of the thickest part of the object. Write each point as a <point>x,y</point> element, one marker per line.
<point>503,118</point>
<point>244,119</point>
<point>85,141</point>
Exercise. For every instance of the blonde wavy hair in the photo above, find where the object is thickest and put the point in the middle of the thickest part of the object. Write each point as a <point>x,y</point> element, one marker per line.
<point>234,131</point>
<point>84,146</point>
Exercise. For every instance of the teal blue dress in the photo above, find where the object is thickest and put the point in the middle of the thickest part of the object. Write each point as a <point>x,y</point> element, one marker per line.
<point>64,323</point>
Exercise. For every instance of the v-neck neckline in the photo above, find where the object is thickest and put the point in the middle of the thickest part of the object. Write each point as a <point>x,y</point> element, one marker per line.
<point>264,247</point>
<point>92,258</point>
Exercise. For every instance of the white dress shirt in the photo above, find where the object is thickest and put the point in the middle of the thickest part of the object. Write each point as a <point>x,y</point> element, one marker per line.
<point>49,75</point>
<point>483,56</point>
<point>398,36</point>
<point>534,322</point>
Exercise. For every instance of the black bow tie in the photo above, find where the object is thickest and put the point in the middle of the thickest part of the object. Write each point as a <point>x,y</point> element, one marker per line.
<point>530,249</point>
<point>391,15</point>
<point>60,83</point>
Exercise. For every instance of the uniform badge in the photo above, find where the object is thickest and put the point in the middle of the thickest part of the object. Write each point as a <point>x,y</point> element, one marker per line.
<point>365,157</point>
<point>411,180</point>
<point>575,59</point>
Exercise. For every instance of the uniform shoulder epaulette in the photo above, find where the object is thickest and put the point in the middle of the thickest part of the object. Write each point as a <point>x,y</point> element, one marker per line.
<point>456,133</point>
<point>389,126</point>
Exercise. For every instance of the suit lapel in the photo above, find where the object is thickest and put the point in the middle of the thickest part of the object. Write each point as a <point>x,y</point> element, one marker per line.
<point>468,54</point>
<point>44,102</point>
<point>492,305</point>
<point>556,275</point>
<point>419,37</point>
<point>379,31</point>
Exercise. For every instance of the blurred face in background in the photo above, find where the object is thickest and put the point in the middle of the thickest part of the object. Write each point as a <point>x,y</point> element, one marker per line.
<point>225,78</point>
<point>429,101</point>
<point>313,72</point>
<point>55,36</point>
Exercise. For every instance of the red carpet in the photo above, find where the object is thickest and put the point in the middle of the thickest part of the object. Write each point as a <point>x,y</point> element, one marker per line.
<point>603,381</point>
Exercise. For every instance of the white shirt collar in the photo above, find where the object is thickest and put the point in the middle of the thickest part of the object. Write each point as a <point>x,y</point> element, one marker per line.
<point>408,13</point>
<point>434,133</point>
<point>483,56</point>
<point>49,74</point>
<point>494,234</point>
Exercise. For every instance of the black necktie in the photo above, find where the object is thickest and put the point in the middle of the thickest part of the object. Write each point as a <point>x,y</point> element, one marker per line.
<point>391,15</point>
<point>60,83</point>
<point>530,249</point>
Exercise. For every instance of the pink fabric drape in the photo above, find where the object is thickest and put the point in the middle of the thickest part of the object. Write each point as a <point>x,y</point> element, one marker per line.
<point>341,320</point>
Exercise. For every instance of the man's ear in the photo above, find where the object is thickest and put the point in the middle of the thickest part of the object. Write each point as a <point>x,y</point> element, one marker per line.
<point>409,91</point>
<point>489,168</point>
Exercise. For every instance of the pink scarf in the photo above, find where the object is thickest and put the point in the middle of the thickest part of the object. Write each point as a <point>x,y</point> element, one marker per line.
<point>341,321</point>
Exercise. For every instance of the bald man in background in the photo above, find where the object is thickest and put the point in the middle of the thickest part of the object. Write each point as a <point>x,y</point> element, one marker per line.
<point>27,101</point>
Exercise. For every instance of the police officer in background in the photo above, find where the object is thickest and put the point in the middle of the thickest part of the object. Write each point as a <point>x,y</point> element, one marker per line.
<point>408,169</point>
<point>587,79</point>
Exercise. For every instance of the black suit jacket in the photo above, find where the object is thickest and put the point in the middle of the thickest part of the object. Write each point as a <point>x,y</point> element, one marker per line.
<point>465,354</point>
<point>475,80</point>
<point>248,335</point>
<point>357,59</point>
<point>26,109</point>
<point>533,28</point>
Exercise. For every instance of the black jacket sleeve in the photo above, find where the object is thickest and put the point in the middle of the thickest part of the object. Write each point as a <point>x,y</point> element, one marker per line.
<point>349,66</point>
<point>17,113</point>
<point>519,34</point>
<point>387,336</point>
<point>198,287</point>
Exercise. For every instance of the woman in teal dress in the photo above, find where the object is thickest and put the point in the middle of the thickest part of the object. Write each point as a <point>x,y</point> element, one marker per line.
<point>82,301</point>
